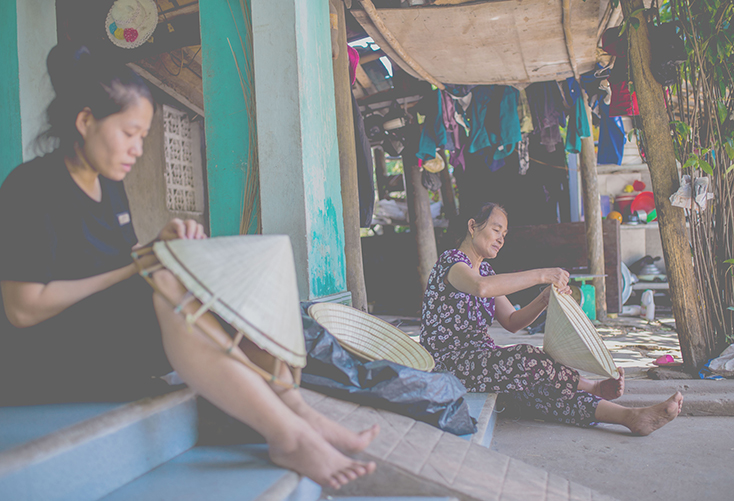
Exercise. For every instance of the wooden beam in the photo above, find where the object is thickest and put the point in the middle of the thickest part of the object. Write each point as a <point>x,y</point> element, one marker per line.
<point>348,164</point>
<point>167,88</point>
<point>592,218</point>
<point>686,302</point>
<point>419,207</point>
<point>369,8</point>
<point>568,37</point>
<point>365,81</point>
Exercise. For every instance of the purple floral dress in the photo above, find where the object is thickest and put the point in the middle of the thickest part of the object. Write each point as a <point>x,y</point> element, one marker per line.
<point>455,330</point>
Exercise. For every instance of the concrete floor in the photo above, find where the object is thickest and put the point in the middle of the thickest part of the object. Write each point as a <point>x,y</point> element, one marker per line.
<point>689,459</point>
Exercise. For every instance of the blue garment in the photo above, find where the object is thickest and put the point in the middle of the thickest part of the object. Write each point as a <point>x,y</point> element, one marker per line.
<point>494,120</point>
<point>578,126</point>
<point>611,137</point>
<point>433,135</point>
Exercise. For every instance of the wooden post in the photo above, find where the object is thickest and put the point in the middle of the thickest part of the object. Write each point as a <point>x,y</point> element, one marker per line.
<point>419,207</point>
<point>447,189</point>
<point>592,218</point>
<point>380,172</point>
<point>689,321</point>
<point>348,165</point>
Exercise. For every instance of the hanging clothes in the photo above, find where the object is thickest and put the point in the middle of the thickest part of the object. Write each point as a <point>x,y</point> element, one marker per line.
<point>611,137</point>
<point>448,114</point>
<point>578,120</point>
<point>494,120</point>
<point>547,109</point>
<point>365,169</point>
<point>523,112</point>
<point>433,134</point>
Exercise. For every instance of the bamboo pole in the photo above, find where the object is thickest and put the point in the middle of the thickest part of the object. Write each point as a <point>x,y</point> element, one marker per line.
<point>664,175</point>
<point>592,218</point>
<point>348,166</point>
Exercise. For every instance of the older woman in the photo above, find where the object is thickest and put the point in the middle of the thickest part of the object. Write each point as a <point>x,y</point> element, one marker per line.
<point>78,323</point>
<point>464,296</point>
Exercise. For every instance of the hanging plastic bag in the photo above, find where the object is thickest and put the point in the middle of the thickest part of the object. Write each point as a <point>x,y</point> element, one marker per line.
<point>432,397</point>
<point>682,197</point>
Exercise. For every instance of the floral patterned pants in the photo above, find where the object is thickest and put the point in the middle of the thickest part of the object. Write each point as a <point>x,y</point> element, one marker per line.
<point>530,377</point>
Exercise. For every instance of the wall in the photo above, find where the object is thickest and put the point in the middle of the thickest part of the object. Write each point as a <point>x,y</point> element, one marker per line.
<point>11,152</point>
<point>297,141</point>
<point>36,37</point>
<point>146,183</point>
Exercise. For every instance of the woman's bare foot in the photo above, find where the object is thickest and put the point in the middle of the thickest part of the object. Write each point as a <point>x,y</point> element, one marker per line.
<point>309,454</point>
<point>649,419</point>
<point>609,389</point>
<point>337,435</point>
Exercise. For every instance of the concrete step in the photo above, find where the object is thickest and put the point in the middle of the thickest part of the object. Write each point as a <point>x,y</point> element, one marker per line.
<point>482,408</point>
<point>390,498</point>
<point>25,424</point>
<point>239,472</point>
<point>69,459</point>
<point>416,459</point>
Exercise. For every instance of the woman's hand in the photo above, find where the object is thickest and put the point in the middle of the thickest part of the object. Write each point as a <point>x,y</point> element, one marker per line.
<point>177,228</point>
<point>555,276</point>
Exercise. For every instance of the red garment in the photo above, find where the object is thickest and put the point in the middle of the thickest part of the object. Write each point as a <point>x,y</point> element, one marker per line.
<point>623,103</point>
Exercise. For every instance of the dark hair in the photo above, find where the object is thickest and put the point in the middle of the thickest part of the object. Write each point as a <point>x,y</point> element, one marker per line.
<point>481,216</point>
<point>81,80</point>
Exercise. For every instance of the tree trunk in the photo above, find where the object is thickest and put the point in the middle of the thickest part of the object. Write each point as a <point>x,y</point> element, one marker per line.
<point>592,218</point>
<point>664,174</point>
<point>419,208</point>
<point>348,165</point>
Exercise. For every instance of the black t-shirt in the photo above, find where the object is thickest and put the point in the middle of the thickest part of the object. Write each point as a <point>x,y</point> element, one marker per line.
<point>51,230</point>
<point>105,347</point>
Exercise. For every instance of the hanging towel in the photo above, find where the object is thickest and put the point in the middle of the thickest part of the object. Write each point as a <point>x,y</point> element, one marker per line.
<point>611,137</point>
<point>578,121</point>
<point>433,134</point>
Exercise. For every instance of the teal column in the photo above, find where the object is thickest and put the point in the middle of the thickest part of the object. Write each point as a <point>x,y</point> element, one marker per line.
<point>297,141</point>
<point>11,146</point>
<point>229,123</point>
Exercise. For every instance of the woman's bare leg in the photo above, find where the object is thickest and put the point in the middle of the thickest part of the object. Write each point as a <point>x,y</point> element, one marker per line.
<point>642,420</point>
<point>240,392</point>
<point>608,389</point>
<point>336,434</point>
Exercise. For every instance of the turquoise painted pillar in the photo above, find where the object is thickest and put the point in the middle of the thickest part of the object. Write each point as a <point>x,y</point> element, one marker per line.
<point>11,146</point>
<point>229,122</point>
<point>297,142</point>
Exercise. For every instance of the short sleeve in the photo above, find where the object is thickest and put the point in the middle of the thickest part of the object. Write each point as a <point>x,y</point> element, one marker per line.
<point>447,260</point>
<point>25,243</point>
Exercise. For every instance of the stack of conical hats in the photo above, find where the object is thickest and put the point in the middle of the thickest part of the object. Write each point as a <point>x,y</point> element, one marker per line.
<point>249,281</point>
<point>571,339</point>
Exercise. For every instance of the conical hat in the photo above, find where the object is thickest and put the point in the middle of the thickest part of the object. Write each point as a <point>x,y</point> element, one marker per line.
<point>571,339</point>
<point>249,281</point>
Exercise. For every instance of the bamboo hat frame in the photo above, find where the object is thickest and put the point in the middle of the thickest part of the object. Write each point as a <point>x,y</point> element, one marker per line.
<point>369,337</point>
<point>571,339</point>
<point>250,282</point>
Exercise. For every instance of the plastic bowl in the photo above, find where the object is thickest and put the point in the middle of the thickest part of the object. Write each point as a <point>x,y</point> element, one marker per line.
<point>644,201</point>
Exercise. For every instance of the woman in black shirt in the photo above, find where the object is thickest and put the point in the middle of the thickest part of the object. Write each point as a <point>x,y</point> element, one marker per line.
<point>77,321</point>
